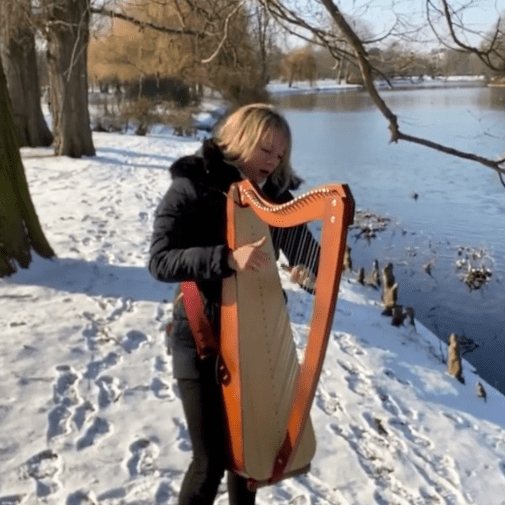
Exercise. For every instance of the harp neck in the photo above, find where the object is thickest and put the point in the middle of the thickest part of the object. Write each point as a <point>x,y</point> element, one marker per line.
<point>321,203</point>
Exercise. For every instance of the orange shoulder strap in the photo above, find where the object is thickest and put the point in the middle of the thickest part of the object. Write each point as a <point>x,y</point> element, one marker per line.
<point>205,341</point>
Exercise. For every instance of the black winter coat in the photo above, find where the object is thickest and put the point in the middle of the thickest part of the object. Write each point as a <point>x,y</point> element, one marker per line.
<point>189,241</point>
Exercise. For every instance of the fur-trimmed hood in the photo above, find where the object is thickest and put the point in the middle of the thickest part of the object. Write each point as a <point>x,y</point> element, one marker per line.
<point>207,166</point>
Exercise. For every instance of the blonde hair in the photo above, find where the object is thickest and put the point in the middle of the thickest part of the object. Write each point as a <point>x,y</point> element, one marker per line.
<point>239,134</point>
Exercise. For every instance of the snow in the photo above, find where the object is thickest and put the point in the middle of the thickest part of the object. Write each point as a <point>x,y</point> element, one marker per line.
<point>330,85</point>
<point>89,411</point>
<point>321,85</point>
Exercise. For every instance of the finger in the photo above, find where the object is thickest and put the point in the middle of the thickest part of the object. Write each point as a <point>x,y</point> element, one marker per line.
<point>296,273</point>
<point>260,242</point>
<point>258,262</point>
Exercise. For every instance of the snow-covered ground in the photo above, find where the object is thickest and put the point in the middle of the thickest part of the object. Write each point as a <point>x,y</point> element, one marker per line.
<point>89,411</point>
<point>330,85</point>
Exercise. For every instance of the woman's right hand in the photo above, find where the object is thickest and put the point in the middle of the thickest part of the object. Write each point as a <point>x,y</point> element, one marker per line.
<point>249,257</point>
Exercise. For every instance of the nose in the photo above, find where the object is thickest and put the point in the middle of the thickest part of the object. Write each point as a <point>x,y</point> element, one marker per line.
<point>275,159</point>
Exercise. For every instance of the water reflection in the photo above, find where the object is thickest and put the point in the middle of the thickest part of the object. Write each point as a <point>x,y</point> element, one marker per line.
<point>496,98</point>
<point>486,98</point>
<point>341,101</point>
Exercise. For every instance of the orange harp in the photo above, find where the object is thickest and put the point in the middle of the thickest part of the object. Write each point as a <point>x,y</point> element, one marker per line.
<point>268,391</point>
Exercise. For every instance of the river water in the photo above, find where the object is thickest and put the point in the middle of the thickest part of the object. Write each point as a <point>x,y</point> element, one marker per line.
<point>459,208</point>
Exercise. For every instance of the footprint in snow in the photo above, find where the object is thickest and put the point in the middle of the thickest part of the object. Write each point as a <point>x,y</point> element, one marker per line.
<point>65,396</point>
<point>162,389</point>
<point>389,373</point>
<point>15,499</point>
<point>501,465</point>
<point>81,414</point>
<point>161,364</point>
<point>122,305</point>
<point>96,332</point>
<point>58,421</point>
<point>357,381</point>
<point>410,434</point>
<point>81,498</point>
<point>109,391</point>
<point>319,491</point>
<point>95,368</point>
<point>394,405</point>
<point>144,453</point>
<point>163,493</point>
<point>299,500</point>
<point>328,402</point>
<point>347,344</point>
<point>115,495</point>
<point>97,430</point>
<point>134,339</point>
<point>459,421</point>
<point>183,435</point>
<point>43,468</point>
<point>64,392</point>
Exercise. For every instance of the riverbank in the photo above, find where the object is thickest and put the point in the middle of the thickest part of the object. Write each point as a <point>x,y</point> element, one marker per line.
<point>330,85</point>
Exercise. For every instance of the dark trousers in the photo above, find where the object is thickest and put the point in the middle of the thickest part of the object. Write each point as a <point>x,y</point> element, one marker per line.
<point>202,404</point>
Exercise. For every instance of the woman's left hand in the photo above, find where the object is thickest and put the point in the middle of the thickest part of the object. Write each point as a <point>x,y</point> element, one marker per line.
<point>303,276</point>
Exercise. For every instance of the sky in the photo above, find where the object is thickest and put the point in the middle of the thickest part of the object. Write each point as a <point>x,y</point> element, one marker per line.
<point>478,12</point>
<point>380,15</point>
<point>89,409</point>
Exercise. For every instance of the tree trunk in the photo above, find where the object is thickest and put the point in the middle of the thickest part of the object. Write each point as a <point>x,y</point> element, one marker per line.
<point>20,230</point>
<point>67,39</point>
<point>20,62</point>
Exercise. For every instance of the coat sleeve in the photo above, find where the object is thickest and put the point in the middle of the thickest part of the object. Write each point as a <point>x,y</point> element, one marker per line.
<point>175,255</point>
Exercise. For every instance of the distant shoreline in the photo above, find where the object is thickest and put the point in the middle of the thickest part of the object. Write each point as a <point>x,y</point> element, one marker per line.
<point>330,85</point>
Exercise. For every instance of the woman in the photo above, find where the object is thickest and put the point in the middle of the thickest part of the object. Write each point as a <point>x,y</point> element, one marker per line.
<point>189,243</point>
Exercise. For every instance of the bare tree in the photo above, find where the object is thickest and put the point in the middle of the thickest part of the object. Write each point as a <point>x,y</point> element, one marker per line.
<point>262,38</point>
<point>17,48</point>
<point>300,64</point>
<point>20,230</point>
<point>347,45</point>
<point>203,42</point>
<point>67,34</point>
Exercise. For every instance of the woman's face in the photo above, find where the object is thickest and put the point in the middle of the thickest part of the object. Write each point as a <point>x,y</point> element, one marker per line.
<point>265,157</point>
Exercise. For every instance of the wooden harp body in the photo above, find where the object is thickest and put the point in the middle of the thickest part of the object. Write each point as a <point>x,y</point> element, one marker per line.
<point>268,392</point>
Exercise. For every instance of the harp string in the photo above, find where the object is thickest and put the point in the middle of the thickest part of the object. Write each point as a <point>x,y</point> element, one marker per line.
<point>298,242</point>
<point>301,247</point>
<point>300,290</point>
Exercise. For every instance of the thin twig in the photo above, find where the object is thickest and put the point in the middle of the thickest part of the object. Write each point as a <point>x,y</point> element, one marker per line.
<point>225,36</point>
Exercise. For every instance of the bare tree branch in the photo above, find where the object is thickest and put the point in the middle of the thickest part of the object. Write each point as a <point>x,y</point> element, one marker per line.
<point>225,34</point>
<point>102,11</point>
<point>281,12</point>
<point>485,54</point>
